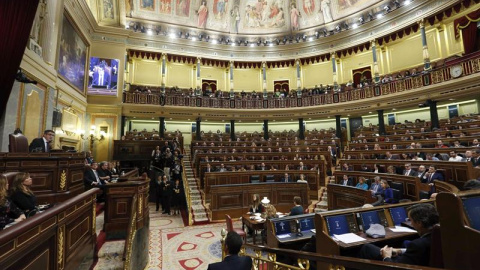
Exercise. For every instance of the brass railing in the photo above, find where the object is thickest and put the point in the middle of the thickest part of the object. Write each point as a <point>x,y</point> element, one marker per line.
<point>266,258</point>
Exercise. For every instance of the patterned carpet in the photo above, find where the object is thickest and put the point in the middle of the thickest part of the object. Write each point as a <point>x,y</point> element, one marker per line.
<point>174,246</point>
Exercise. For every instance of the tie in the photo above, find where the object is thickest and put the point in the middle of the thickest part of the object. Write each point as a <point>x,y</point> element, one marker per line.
<point>407,173</point>
<point>96,177</point>
<point>375,188</point>
<point>46,147</point>
<point>430,178</point>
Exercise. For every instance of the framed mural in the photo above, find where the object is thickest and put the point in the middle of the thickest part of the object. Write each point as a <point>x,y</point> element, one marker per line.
<point>72,55</point>
<point>103,76</point>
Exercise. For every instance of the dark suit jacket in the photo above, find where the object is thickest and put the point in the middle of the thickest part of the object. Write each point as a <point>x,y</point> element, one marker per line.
<point>89,178</point>
<point>349,182</point>
<point>412,172</point>
<point>417,253</point>
<point>24,201</point>
<point>379,189</point>
<point>289,179</point>
<point>436,176</point>
<point>232,262</point>
<point>38,143</point>
<point>296,210</point>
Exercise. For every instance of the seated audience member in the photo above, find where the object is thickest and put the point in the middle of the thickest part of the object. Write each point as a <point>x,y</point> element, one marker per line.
<point>302,179</point>
<point>91,179</point>
<point>42,144</point>
<point>423,217</point>
<point>454,156</point>
<point>104,173</point>
<point>386,195</point>
<point>472,184</point>
<point>361,183</point>
<point>408,170</point>
<point>346,181</point>
<point>256,206</point>
<point>9,212</point>
<point>286,178</point>
<point>297,209</point>
<point>21,194</point>
<point>233,243</point>
<point>432,175</point>
<point>391,169</point>
<point>88,158</point>
<point>376,187</point>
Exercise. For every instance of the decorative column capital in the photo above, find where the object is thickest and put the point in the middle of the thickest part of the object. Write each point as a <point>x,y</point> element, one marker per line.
<point>199,59</point>
<point>264,63</point>
<point>164,56</point>
<point>332,55</point>
<point>232,63</point>
<point>421,23</point>
<point>373,43</point>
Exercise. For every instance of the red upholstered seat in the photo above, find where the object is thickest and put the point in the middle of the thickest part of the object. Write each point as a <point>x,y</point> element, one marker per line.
<point>230,228</point>
<point>17,143</point>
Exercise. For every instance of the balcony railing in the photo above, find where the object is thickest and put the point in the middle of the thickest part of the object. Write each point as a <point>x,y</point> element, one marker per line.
<point>470,65</point>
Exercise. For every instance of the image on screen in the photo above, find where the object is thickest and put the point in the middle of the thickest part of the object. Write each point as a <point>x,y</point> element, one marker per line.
<point>369,218</point>
<point>337,225</point>
<point>103,76</point>
<point>472,211</point>
<point>282,227</point>
<point>398,214</point>
<point>306,224</point>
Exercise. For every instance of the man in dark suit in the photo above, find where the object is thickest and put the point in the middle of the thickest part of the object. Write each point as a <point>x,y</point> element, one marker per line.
<point>91,179</point>
<point>346,181</point>
<point>408,170</point>
<point>432,175</point>
<point>233,243</point>
<point>262,167</point>
<point>302,167</point>
<point>423,217</point>
<point>42,144</point>
<point>376,188</point>
<point>421,173</point>
<point>286,178</point>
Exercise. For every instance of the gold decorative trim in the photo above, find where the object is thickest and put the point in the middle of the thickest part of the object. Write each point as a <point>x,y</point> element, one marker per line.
<point>94,217</point>
<point>140,205</point>
<point>61,245</point>
<point>63,180</point>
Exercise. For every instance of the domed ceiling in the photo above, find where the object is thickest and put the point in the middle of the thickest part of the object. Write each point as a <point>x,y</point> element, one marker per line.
<point>245,17</point>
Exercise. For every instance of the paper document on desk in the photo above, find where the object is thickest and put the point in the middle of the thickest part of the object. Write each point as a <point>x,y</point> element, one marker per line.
<point>401,229</point>
<point>349,238</point>
<point>283,236</point>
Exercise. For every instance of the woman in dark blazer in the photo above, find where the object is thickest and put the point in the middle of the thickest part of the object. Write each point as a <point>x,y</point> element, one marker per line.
<point>387,192</point>
<point>256,206</point>
<point>22,196</point>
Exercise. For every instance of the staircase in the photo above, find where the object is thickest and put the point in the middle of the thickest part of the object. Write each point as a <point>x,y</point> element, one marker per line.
<point>197,206</point>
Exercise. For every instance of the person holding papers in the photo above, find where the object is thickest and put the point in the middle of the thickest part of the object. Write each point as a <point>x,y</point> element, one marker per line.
<point>423,218</point>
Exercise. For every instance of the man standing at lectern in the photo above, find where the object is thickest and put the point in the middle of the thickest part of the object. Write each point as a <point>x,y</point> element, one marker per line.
<point>42,144</point>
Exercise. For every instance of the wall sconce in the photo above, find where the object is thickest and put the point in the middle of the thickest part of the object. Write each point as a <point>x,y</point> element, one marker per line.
<point>92,137</point>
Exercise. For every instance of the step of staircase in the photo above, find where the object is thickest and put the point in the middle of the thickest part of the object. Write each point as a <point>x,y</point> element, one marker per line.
<point>200,215</point>
<point>110,256</point>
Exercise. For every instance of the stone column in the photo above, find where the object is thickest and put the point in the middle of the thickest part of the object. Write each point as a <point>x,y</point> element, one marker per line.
<point>162,127</point>
<point>164,67</point>
<point>299,83</point>
<point>232,130</point>
<point>232,92</point>
<point>265,129</point>
<point>433,114</point>
<point>376,75</point>
<point>198,135</point>
<point>338,131</point>
<point>199,84</point>
<point>122,127</point>
<point>426,57</point>
<point>264,78</point>
<point>301,129</point>
<point>381,122</point>
<point>334,66</point>
<point>50,30</point>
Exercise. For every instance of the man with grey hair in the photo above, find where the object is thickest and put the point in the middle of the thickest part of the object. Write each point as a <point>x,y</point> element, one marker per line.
<point>421,172</point>
<point>376,188</point>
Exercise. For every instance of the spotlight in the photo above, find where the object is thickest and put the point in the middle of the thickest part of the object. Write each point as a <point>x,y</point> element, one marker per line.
<point>370,16</point>
<point>379,15</point>
<point>187,35</point>
<point>387,8</point>
<point>277,41</point>
<point>172,35</point>
<point>259,42</point>
<point>317,34</point>
<point>200,37</point>
<point>214,41</point>
<point>354,26</point>
<point>325,33</point>
<point>149,32</point>
<point>338,29</point>
<point>361,20</point>
<point>207,38</point>
<point>396,3</point>
<point>252,44</point>
<point>246,42</point>
<point>310,39</point>
<point>345,26</point>
<point>407,2</point>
